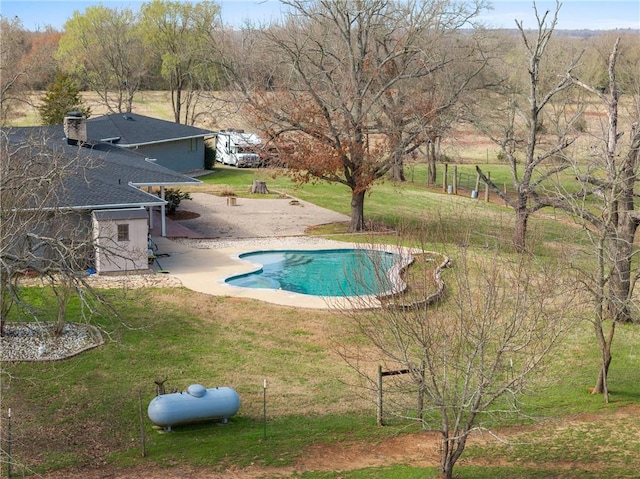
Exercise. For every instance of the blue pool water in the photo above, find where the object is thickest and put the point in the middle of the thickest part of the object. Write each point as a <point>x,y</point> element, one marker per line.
<point>343,272</point>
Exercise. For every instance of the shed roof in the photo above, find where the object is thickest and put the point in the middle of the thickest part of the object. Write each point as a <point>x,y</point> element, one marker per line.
<point>121,214</point>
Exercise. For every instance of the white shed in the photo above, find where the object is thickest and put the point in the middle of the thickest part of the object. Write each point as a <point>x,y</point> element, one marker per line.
<point>121,240</point>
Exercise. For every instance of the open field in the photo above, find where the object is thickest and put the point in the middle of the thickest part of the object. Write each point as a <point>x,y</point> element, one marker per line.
<point>80,418</point>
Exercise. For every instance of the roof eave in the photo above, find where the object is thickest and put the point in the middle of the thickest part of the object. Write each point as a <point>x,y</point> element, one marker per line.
<point>168,183</point>
<point>166,140</point>
<point>141,204</point>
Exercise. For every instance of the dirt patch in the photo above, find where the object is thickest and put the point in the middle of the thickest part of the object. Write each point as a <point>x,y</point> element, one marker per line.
<point>414,449</point>
<point>418,450</point>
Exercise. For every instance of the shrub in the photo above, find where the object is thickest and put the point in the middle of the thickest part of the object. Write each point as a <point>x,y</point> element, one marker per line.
<point>227,191</point>
<point>174,197</point>
<point>209,157</point>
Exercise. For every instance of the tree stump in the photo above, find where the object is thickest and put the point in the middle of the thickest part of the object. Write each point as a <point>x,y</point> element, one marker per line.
<point>259,187</point>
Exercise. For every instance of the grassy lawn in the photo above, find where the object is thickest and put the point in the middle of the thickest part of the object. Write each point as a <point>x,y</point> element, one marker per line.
<point>474,221</point>
<point>71,410</point>
<point>86,410</point>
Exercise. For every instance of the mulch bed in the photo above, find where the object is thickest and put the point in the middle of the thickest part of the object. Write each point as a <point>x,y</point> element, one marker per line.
<point>183,215</point>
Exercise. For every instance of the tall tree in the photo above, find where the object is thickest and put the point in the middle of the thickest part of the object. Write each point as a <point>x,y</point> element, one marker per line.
<point>605,204</point>
<point>419,109</point>
<point>177,33</point>
<point>348,109</point>
<point>62,97</point>
<point>103,46</point>
<point>468,357</point>
<point>533,156</point>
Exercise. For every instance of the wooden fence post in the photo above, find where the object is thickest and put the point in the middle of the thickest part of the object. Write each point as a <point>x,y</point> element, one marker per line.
<point>455,179</point>
<point>143,439</point>
<point>444,177</point>
<point>379,401</point>
<point>486,187</point>
<point>421,392</point>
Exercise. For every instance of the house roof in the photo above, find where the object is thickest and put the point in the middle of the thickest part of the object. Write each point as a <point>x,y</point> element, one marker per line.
<point>97,176</point>
<point>130,129</point>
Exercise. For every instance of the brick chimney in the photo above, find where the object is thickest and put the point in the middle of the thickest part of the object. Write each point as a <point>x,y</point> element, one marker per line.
<point>75,128</point>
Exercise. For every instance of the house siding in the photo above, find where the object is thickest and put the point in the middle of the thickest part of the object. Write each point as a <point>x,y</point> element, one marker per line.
<point>72,229</point>
<point>114,255</point>
<point>177,155</point>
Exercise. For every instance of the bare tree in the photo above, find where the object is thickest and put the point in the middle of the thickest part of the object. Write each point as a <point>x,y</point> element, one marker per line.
<point>470,356</point>
<point>418,111</point>
<point>533,156</point>
<point>348,109</point>
<point>39,234</point>
<point>605,204</point>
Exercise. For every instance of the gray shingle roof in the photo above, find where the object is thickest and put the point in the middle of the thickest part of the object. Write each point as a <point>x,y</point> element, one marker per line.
<point>98,176</point>
<point>131,129</point>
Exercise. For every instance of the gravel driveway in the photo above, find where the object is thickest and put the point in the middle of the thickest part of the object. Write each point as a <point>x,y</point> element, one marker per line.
<point>254,217</point>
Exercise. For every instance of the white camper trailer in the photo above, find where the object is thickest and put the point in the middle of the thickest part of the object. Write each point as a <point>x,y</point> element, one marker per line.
<point>237,148</point>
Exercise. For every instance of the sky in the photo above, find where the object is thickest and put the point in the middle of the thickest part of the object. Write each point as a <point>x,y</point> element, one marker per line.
<point>574,14</point>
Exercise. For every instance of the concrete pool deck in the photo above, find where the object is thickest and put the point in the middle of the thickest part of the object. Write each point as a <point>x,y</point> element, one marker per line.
<point>201,253</point>
<point>203,265</point>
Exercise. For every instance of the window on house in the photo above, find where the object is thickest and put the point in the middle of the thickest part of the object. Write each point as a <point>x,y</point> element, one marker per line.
<point>193,146</point>
<point>123,232</point>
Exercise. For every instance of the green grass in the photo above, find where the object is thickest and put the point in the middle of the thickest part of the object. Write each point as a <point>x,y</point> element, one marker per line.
<point>242,441</point>
<point>189,338</point>
<point>449,219</point>
<point>474,472</point>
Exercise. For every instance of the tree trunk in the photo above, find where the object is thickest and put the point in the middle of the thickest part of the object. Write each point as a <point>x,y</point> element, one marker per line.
<point>357,212</point>
<point>447,470</point>
<point>446,463</point>
<point>620,281</point>
<point>431,163</point>
<point>6,299</point>
<point>63,292</point>
<point>601,386</point>
<point>452,450</point>
<point>397,168</point>
<point>61,320</point>
<point>175,100</point>
<point>620,288</point>
<point>520,230</point>
<point>259,187</point>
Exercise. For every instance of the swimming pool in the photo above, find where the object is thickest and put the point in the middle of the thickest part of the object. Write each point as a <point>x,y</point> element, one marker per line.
<point>328,272</point>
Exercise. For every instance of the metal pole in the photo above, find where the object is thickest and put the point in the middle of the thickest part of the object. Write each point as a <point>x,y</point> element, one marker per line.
<point>143,438</point>
<point>379,401</point>
<point>9,443</point>
<point>421,393</point>
<point>264,402</point>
